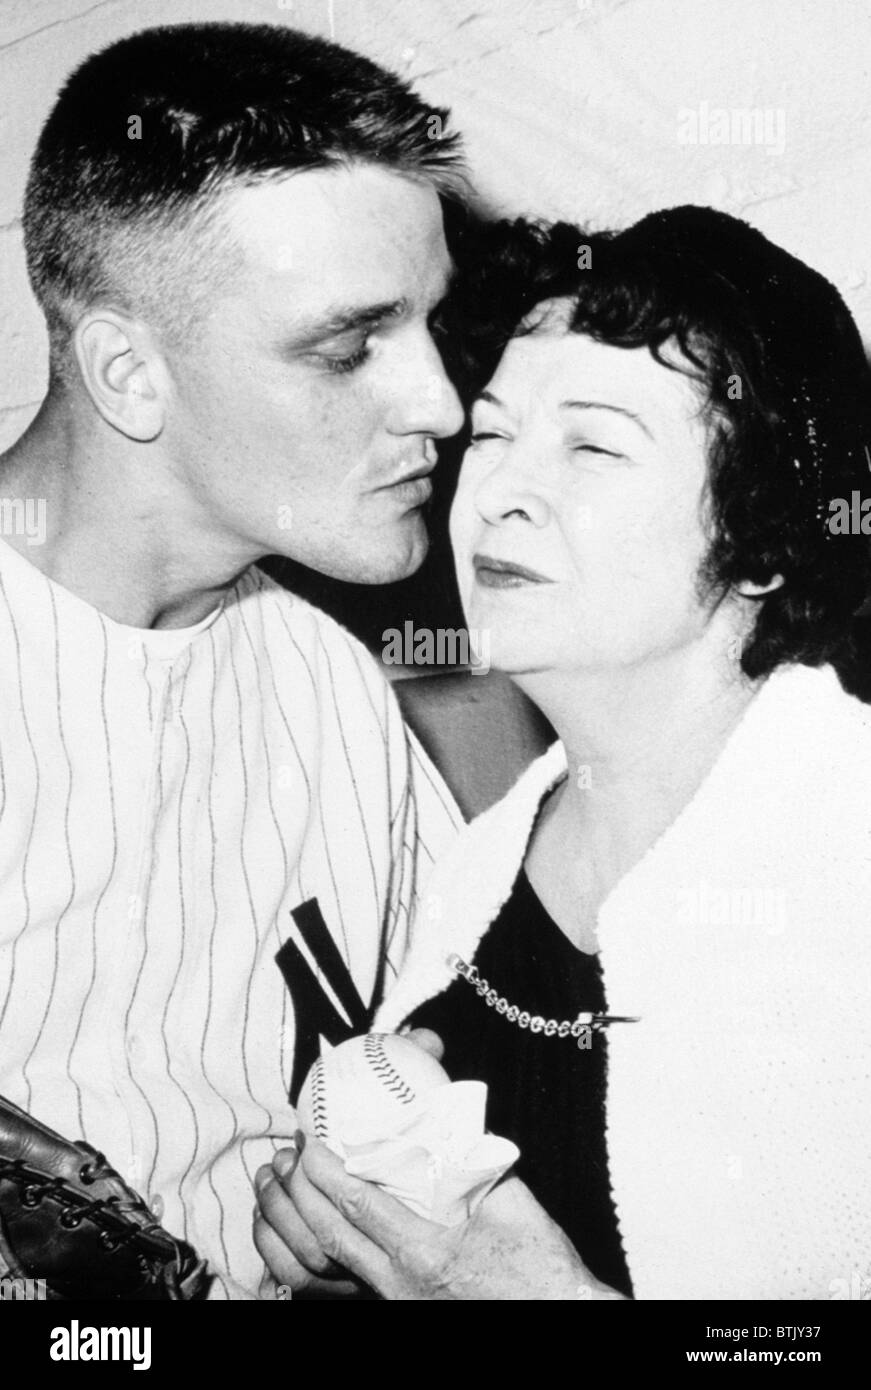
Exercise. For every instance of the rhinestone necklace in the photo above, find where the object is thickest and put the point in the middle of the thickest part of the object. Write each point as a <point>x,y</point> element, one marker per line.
<point>580,1028</point>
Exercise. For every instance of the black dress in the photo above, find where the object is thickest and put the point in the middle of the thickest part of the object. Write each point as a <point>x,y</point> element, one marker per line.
<point>546,1094</point>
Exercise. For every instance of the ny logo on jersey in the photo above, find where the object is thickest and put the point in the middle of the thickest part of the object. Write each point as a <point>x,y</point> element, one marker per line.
<point>315,1012</point>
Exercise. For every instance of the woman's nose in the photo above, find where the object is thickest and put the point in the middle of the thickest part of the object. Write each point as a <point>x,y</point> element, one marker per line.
<point>508,488</point>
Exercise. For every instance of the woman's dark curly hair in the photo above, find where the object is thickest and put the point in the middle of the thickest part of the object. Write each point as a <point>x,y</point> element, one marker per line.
<point>785,386</point>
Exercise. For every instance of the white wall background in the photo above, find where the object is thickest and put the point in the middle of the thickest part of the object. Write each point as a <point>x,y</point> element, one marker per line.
<point>570,107</point>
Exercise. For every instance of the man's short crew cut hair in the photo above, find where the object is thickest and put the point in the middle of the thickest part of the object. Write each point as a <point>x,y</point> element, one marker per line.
<point>145,135</point>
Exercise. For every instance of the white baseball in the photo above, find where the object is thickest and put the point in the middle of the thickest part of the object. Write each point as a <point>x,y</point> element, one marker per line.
<point>365,1087</point>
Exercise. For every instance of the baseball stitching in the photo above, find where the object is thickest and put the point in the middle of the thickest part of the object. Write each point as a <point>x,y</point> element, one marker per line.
<point>319,1100</point>
<point>373,1048</point>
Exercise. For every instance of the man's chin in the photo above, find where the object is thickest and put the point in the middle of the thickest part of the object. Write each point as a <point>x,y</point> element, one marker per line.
<point>391,567</point>
<point>387,560</point>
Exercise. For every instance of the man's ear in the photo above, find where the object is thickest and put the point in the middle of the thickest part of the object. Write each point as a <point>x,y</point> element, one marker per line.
<point>123,372</point>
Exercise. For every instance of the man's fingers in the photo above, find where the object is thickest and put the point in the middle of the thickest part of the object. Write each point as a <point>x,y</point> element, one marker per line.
<point>320,1187</point>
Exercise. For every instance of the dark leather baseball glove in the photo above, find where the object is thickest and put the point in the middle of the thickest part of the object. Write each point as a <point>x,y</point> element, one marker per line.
<point>68,1218</point>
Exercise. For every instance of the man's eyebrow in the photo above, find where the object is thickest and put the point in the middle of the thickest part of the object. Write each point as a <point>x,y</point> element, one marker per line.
<point>344,319</point>
<point>604,405</point>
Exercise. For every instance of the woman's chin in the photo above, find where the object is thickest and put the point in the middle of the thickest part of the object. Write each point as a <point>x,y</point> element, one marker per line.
<point>515,657</point>
<point>516,640</point>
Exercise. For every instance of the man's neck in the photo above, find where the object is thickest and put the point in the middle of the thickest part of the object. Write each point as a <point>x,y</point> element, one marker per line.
<point>120,532</point>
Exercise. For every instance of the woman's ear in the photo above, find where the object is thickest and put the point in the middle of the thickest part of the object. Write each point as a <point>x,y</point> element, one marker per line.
<point>123,372</point>
<point>748,590</point>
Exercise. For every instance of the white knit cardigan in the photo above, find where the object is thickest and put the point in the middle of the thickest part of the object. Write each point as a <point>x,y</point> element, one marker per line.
<point>738,1116</point>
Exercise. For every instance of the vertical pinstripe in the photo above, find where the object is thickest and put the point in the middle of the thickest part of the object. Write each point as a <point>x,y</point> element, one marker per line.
<point>167,800</point>
<point>67,846</point>
<point>181,954</point>
<point>145,909</point>
<point>248,894</point>
<point>24,893</point>
<point>113,859</point>
<point>210,954</point>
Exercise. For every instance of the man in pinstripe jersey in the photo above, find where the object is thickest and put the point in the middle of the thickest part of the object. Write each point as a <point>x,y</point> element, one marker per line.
<point>236,236</point>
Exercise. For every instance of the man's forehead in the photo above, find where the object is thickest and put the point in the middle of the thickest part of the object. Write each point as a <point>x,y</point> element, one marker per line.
<point>326,243</point>
<point>315,213</point>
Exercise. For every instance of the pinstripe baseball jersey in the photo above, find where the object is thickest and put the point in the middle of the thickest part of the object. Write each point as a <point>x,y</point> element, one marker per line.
<point>167,799</point>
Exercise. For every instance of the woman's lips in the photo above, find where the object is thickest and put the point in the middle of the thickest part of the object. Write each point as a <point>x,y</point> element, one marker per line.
<point>504,574</point>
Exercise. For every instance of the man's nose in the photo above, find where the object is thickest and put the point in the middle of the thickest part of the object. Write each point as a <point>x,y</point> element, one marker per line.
<point>426,402</point>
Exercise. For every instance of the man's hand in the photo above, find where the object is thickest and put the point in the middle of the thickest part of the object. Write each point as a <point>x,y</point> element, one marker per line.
<point>316,1220</point>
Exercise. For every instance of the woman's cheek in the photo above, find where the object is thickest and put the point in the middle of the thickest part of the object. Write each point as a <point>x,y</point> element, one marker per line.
<point>463,513</point>
<point>460,531</point>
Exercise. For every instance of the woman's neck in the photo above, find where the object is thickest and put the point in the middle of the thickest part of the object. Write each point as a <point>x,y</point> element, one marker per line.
<point>639,742</point>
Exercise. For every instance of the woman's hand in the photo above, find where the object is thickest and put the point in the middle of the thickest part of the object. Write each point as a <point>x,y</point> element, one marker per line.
<point>305,1268</point>
<point>316,1223</point>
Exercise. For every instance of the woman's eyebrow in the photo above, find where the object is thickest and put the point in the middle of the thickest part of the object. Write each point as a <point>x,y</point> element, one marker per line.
<point>604,405</point>
<point>490,399</point>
